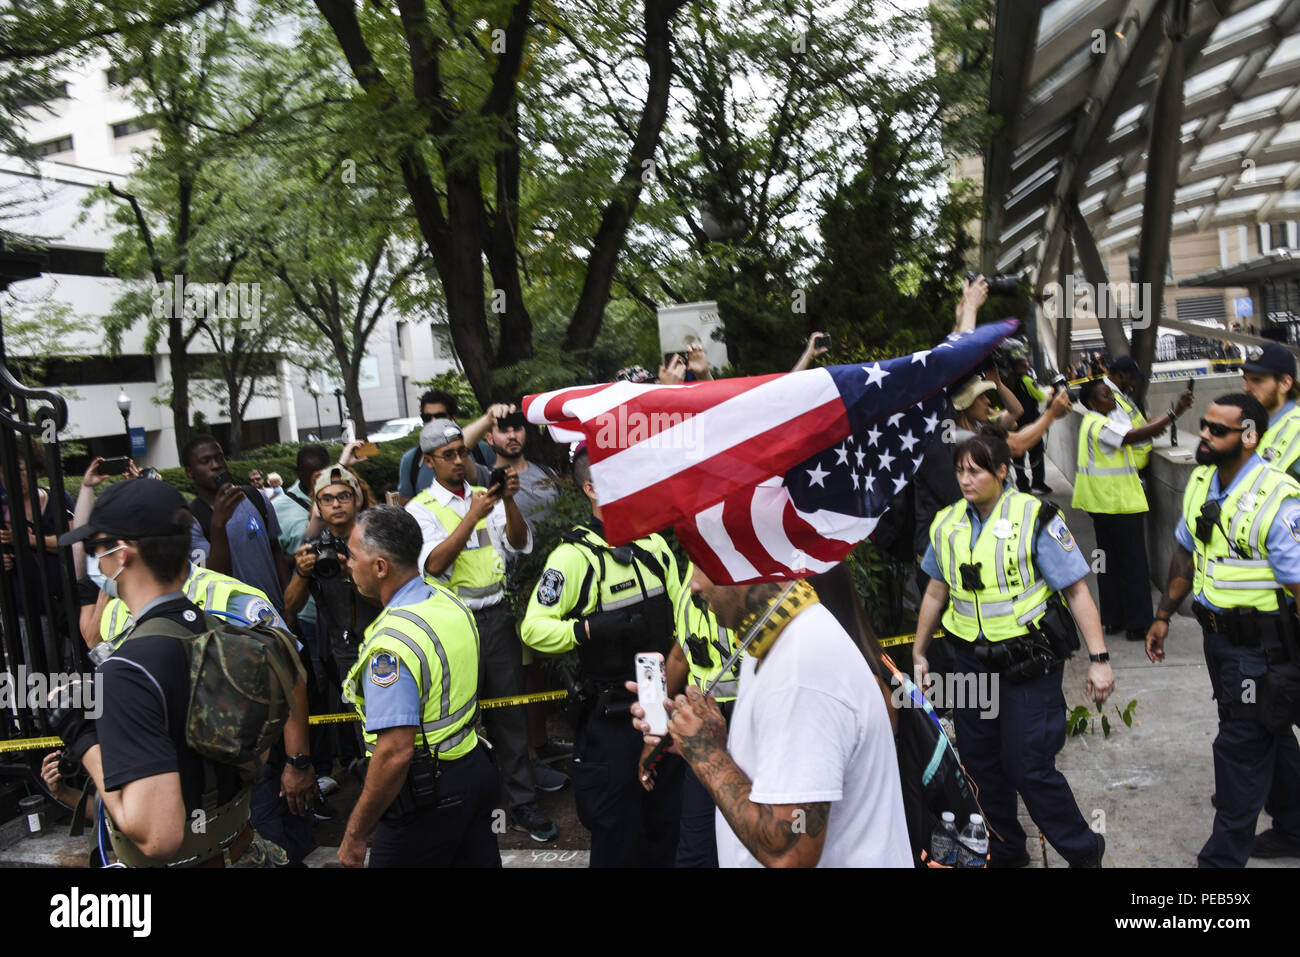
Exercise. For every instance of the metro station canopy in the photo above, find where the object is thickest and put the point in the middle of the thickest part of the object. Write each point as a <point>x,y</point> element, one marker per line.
<point>1126,122</point>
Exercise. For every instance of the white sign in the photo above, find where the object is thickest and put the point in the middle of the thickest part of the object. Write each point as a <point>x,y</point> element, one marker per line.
<point>684,325</point>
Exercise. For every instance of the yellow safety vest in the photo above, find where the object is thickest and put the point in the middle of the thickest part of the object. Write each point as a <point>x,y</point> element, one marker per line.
<point>436,640</point>
<point>1279,447</point>
<point>479,570</point>
<point>208,589</point>
<point>1012,596</point>
<point>701,637</point>
<point>1142,450</point>
<point>1106,481</point>
<point>1239,577</point>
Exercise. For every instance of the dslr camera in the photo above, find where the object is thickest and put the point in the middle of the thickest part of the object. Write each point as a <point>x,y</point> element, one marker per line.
<point>998,285</point>
<point>330,551</point>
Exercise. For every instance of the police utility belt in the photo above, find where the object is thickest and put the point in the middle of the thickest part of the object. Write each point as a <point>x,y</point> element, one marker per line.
<point>420,789</point>
<point>1247,628</point>
<point>1040,651</point>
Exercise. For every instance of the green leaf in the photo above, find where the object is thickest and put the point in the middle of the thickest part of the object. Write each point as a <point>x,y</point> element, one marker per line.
<point>1105,725</point>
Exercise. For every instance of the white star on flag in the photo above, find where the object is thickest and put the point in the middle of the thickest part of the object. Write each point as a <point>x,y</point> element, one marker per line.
<point>895,419</point>
<point>886,460</point>
<point>931,423</point>
<point>843,454</point>
<point>909,441</point>
<point>816,474</point>
<point>921,356</point>
<point>875,374</point>
<point>873,434</point>
<point>899,482</point>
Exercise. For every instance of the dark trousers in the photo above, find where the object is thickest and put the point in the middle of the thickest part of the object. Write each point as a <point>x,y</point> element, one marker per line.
<point>501,675</point>
<point>1254,769</point>
<point>270,816</point>
<point>629,826</point>
<point>318,702</point>
<point>1032,476</point>
<point>457,832</point>
<point>1124,584</point>
<point>697,840</point>
<point>1016,752</point>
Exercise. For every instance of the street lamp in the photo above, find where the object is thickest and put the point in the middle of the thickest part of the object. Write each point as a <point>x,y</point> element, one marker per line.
<point>338,395</point>
<point>124,406</point>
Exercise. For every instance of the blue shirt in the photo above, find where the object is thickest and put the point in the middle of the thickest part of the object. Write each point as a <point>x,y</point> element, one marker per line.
<point>1057,558</point>
<point>394,703</point>
<point>423,479</point>
<point>1282,541</point>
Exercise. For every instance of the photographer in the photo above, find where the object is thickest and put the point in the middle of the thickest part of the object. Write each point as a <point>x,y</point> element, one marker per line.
<point>321,571</point>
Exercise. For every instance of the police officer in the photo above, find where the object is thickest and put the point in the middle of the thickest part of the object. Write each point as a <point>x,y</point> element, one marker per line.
<point>611,604</point>
<point>997,561</point>
<point>1238,547</point>
<point>1269,374</point>
<point>469,532</point>
<point>703,646</point>
<point>430,786</point>
<point>1108,488</point>
<point>1122,377</point>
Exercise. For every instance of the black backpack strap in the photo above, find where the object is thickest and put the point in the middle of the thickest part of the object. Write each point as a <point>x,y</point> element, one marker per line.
<point>306,505</point>
<point>202,511</point>
<point>1046,512</point>
<point>413,473</point>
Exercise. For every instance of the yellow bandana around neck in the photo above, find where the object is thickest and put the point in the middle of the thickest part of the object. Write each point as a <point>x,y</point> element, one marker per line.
<point>801,598</point>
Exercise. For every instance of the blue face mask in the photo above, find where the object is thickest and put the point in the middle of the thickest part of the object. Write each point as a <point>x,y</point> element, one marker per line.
<point>107,585</point>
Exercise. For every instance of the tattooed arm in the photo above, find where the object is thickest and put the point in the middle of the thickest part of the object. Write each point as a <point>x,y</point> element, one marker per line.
<point>1181,570</point>
<point>778,835</point>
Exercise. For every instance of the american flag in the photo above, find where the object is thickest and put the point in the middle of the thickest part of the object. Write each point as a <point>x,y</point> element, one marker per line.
<point>764,478</point>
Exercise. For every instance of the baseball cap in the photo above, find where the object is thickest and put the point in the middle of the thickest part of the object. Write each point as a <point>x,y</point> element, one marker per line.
<point>438,433</point>
<point>1271,358</point>
<point>970,392</point>
<point>335,475</point>
<point>132,508</point>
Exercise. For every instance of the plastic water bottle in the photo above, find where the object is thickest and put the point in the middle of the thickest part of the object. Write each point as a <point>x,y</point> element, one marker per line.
<point>943,841</point>
<point>974,841</point>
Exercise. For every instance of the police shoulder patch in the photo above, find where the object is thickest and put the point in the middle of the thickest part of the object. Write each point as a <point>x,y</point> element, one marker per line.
<point>1058,530</point>
<point>1270,454</point>
<point>259,610</point>
<point>384,668</point>
<point>1292,519</point>
<point>550,587</point>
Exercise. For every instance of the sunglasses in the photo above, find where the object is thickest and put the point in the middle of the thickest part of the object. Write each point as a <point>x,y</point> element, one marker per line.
<point>1218,429</point>
<point>427,417</point>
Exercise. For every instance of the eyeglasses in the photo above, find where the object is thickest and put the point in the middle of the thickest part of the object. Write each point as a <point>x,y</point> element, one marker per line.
<point>342,498</point>
<point>453,455</point>
<point>427,417</point>
<point>1218,429</point>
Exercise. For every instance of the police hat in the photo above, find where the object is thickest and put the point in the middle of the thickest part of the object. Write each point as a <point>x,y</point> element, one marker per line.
<point>1126,364</point>
<point>130,509</point>
<point>437,433</point>
<point>1271,358</point>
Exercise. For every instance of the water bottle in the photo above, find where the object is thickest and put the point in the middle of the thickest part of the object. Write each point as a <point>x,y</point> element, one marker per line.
<point>943,841</point>
<point>974,841</point>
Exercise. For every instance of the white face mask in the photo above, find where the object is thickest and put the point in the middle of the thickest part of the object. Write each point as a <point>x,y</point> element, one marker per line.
<point>107,585</point>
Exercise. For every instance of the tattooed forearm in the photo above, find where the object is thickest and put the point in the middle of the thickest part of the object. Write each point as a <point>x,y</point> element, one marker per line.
<point>1181,570</point>
<point>776,834</point>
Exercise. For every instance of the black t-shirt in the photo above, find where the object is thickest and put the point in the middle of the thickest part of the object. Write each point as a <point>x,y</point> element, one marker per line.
<point>146,698</point>
<point>87,591</point>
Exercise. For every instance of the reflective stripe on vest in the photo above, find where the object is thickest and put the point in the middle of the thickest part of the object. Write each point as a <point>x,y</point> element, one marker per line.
<point>449,699</point>
<point>690,622</point>
<point>210,590</point>
<point>1280,446</point>
<point>1012,597</point>
<point>1105,482</point>
<point>479,570</point>
<point>1238,577</point>
<point>1142,450</point>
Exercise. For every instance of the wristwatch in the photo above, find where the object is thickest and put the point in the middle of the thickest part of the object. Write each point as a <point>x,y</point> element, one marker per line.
<point>299,761</point>
<point>1101,659</point>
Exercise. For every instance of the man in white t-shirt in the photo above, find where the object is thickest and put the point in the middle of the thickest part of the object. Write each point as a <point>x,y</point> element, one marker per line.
<point>809,774</point>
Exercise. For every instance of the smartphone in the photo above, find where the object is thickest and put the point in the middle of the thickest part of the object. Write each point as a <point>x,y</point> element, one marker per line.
<point>824,341</point>
<point>652,689</point>
<point>668,358</point>
<point>114,466</point>
<point>498,477</point>
<point>1191,385</point>
<point>366,450</point>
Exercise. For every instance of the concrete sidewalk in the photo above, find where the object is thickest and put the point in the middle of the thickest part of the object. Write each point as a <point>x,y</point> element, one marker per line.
<point>1149,785</point>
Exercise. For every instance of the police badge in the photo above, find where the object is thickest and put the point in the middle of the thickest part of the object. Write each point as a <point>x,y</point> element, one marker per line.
<point>550,587</point>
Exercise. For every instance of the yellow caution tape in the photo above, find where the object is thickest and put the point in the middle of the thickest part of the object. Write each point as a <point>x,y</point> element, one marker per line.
<point>901,640</point>
<point>37,744</point>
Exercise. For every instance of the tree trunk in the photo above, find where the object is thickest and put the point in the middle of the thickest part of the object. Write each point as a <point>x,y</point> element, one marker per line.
<point>236,444</point>
<point>180,381</point>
